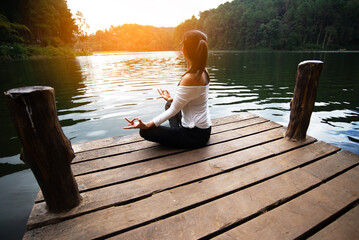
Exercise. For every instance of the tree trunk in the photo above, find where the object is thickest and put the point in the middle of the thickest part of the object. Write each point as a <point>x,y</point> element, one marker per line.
<point>46,149</point>
<point>325,38</point>
<point>320,33</point>
<point>302,105</point>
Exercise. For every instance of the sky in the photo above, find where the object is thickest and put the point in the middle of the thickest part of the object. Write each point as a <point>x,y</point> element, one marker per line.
<point>101,14</point>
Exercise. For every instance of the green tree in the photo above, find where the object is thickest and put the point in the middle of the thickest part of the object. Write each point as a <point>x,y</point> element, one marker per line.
<point>279,24</point>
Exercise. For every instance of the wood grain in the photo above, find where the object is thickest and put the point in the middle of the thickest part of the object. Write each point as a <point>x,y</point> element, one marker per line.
<point>177,177</point>
<point>292,219</point>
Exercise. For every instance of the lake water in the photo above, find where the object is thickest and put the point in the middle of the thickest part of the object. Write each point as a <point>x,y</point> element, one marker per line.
<point>94,94</point>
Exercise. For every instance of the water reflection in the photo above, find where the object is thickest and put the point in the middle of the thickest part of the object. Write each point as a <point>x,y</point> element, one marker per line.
<point>63,75</point>
<point>263,83</point>
<point>94,93</point>
<point>122,85</point>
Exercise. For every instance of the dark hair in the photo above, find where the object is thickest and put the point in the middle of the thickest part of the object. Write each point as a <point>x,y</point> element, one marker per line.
<point>196,48</point>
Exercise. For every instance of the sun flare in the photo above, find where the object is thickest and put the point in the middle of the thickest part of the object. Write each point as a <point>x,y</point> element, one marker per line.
<point>160,13</point>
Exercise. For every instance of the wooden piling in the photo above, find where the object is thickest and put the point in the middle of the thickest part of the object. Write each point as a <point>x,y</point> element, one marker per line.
<point>46,149</point>
<point>302,104</point>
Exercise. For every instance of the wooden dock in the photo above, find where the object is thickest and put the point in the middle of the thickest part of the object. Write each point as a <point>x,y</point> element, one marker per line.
<point>248,183</point>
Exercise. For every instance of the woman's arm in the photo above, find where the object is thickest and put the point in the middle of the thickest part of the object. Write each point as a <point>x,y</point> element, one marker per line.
<point>182,97</point>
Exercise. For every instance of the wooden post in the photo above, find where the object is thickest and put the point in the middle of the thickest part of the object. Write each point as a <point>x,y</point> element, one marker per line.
<point>46,149</point>
<point>302,104</point>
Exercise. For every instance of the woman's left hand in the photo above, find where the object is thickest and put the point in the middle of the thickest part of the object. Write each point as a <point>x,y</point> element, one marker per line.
<point>139,124</point>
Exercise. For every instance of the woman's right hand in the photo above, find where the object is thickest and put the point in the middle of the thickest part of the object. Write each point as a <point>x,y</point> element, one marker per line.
<point>139,124</point>
<point>164,94</point>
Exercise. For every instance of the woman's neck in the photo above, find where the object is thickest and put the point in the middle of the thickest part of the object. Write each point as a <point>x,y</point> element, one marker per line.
<point>189,64</point>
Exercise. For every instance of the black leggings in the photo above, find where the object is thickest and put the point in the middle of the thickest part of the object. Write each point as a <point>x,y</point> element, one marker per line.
<point>176,135</point>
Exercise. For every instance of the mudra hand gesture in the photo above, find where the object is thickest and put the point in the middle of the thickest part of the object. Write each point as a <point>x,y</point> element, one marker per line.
<point>139,124</point>
<point>164,94</point>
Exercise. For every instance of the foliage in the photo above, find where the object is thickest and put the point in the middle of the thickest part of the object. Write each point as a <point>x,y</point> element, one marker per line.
<point>22,51</point>
<point>279,24</point>
<point>45,22</point>
<point>36,28</point>
<point>132,37</point>
<point>12,32</point>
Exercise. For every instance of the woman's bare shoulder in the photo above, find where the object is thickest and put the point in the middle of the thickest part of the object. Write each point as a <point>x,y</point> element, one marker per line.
<point>190,79</point>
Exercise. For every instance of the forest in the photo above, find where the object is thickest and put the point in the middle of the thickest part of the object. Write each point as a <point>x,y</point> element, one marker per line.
<point>35,27</point>
<point>131,37</point>
<point>250,24</point>
<point>279,24</point>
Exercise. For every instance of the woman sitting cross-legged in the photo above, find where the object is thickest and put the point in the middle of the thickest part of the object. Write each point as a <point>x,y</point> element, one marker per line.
<point>187,111</point>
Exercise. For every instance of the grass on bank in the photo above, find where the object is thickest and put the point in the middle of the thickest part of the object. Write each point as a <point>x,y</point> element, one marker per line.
<point>17,51</point>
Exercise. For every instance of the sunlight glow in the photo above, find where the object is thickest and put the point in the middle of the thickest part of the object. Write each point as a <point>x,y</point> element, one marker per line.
<point>102,14</point>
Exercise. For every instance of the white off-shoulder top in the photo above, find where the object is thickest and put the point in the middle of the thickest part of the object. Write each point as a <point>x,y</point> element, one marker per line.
<point>193,102</point>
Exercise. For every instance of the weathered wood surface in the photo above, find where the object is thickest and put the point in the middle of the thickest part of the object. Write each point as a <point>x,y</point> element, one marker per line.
<point>344,228</point>
<point>302,104</point>
<point>46,149</point>
<point>247,175</point>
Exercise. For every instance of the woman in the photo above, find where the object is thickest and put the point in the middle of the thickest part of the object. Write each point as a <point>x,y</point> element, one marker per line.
<point>187,112</point>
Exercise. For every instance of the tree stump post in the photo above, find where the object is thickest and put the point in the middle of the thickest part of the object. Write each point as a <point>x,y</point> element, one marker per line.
<point>302,104</point>
<point>46,149</point>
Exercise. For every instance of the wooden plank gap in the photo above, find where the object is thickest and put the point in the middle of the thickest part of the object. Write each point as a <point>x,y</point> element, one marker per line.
<point>110,146</point>
<point>269,165</point>
<point>184,165</point>
<point>267,137</point>
<point>131,148</point>
<point>127,139</point>
<point>310,232</point>
<point>275,126</point>
<point>269,155</point>
<point>234,121</point>
<point>267,208</point>
<point>343,228</point>
<point>259,212</point>
<point>114,154</point>
<point>100,143</point>
<point>172,151</point>
<point>328,221</point>
<point>155,166</point>
<point>236,128</point>
<point>306,213</point>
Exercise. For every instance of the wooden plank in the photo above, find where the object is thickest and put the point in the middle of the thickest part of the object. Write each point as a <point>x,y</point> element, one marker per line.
<point>344,228</point>
<point>268,192</point>
<point>236,125</point>
<point>332,163</point>
<point>147,154</point>
<point>248,201</point>
<point>200,154</point>
<point>214,216</point>
<point>117,175</point>
<point>130,147</point>
<point>147,186</point>
<point>157,152</point>
<point>121,140</point>
<point>233,118</point>
<point>106,142</point>
<point>298,216</point>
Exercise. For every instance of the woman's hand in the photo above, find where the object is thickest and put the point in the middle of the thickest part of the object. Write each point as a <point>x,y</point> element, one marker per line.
<point>139,124</point>
<point>164,94</point>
